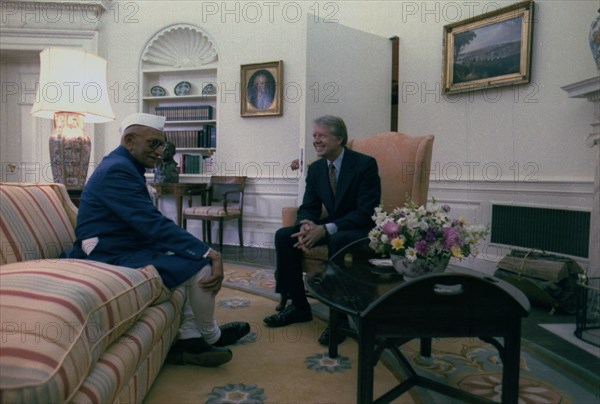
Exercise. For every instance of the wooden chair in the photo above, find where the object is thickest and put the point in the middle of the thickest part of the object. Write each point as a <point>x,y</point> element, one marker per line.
<point>224,201</point>
<point>404,164</point>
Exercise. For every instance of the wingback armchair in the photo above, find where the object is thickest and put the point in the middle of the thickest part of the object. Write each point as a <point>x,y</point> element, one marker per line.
<point>404,164</point>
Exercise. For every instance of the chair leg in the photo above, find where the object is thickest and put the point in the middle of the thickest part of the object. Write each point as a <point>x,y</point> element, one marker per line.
<point>241,232</point>
<point>208,232</point>
<point>221,235</point>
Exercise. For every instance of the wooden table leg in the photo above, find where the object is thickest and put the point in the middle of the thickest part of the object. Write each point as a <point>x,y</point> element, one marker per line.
<point>179,199</point>
<point>366,362</point>
<point>426,347</point>
<point>510,373</point>
<point>333,320</point>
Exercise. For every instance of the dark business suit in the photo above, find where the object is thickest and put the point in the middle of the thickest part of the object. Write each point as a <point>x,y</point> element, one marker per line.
<point>116,207</point>
<point>357,194</point>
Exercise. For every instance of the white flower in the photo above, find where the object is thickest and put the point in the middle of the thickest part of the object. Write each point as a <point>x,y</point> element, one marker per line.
<point>412,222</point>
<point>411,254</point>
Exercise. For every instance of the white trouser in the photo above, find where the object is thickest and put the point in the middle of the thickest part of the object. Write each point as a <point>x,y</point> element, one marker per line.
<point>198,318</point>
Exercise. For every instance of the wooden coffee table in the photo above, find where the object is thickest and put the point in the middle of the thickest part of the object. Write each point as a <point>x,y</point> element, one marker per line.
<point>389,312</point>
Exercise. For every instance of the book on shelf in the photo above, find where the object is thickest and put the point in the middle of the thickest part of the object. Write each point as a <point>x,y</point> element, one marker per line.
<point>195,164</point>
<point>212,137</point>
<point>203,137</point>
<point>186,113</point>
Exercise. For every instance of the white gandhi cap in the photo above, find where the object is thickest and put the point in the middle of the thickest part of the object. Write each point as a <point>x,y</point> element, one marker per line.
<point>152,121</point>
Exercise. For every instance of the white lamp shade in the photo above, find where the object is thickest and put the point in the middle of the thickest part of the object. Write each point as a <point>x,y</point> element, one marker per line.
<point>72,80</point>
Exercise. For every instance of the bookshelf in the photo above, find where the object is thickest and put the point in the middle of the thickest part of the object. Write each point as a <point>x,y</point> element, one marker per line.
<point>178,79</point>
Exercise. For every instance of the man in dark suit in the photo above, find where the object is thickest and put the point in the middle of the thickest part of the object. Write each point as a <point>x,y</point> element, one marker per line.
<point>118,224</point>
<point>346,183</point>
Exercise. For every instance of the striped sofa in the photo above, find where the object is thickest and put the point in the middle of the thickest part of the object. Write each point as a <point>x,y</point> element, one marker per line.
<point>73,330</point>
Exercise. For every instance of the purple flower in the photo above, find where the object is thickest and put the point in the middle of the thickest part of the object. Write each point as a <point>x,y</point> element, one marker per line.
<point>452,237</point>
<point>421,247</point>
<point>446,208</point>
<point>391,229</point>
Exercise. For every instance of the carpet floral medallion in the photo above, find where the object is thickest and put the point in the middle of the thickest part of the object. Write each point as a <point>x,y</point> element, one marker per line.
<point>285,365</point>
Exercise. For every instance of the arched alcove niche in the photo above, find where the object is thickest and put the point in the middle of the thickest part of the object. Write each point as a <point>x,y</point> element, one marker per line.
<point>179,46</point>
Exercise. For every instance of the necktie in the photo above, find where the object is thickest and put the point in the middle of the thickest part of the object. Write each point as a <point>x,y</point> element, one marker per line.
<point>332,180</point>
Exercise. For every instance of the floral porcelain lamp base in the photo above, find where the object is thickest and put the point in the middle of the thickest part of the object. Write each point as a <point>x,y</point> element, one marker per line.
<point>420,266</point>
<point>70,150</point>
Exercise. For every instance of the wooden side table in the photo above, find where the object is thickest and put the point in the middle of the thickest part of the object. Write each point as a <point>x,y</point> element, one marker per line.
<point>179,190</point>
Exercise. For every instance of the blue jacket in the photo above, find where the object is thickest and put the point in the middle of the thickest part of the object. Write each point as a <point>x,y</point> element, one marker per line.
<point>116,207</point>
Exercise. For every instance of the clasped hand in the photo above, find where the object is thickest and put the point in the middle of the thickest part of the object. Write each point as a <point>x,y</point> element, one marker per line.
<point>215,281</point>
<point>309,234</point>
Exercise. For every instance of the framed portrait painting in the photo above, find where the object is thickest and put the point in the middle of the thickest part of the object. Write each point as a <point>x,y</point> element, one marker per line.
<point>489,50</point>
<point>261,89</point>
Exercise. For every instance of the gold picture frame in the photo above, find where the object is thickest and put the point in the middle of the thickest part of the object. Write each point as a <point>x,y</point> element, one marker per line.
<point>261,89</point>
<point>474,59</point>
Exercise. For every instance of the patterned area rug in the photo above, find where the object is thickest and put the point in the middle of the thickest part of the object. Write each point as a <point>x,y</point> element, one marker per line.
<point>288,365</point>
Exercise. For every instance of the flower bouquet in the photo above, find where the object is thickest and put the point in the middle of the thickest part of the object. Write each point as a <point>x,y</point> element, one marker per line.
<point>422,239</point>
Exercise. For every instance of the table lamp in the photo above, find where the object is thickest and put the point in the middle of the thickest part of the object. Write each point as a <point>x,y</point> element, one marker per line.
<point>72,90</point>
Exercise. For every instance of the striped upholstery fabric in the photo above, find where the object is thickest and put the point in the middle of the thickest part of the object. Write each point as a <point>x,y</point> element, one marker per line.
<point>129,366</point>
<point>34,222</point>
<point>210,211</point>
<point>318,253</point>
<point>60,316</point>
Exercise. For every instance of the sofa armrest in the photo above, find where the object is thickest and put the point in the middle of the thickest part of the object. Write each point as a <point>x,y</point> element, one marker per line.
<point>288,216</point>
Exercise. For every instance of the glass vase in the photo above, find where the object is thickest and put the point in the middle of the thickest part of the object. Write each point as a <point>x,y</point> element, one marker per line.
<point>420,266</point>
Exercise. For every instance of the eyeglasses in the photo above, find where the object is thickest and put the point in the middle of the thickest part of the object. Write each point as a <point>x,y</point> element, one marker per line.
<point>153,143</point>
<point>156,144</point>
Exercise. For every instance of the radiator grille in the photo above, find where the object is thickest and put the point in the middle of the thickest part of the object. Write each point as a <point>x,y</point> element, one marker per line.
<point>552,230</point>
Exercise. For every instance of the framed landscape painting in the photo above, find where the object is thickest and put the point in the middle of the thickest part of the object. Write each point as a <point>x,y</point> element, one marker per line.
<point>261,89</point>
<point>490,50</point>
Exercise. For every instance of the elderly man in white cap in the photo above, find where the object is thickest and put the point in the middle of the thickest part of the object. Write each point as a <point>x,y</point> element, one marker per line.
<point>118,224</point>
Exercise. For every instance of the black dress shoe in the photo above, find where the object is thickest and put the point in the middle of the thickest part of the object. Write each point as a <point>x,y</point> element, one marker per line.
<point>196,351</point>
<point>232,332</point>
<point>287,316</point>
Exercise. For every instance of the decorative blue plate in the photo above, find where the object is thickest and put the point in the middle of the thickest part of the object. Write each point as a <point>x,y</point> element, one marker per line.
<point>157,91</point>
<point>209,89</point>
<point>183,88</point>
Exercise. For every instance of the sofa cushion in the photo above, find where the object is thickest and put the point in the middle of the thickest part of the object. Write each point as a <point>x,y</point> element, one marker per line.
<point>58,317</point>
<point>33,223</point>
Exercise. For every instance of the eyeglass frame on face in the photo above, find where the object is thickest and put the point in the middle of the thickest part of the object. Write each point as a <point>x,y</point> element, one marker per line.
<point>154,144</point>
